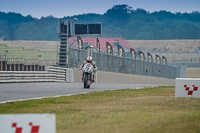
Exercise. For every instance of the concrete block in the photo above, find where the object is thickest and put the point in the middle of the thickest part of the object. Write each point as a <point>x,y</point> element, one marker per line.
<point>69,75</point>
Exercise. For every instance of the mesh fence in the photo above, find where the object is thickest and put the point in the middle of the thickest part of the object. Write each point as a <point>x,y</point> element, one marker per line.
<point>114,63</point>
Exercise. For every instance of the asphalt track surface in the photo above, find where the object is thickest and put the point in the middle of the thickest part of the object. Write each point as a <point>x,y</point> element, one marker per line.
<point>10,92</point>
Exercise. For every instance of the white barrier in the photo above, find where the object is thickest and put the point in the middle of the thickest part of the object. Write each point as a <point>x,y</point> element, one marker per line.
<point>69,75</point>
<point>51,74</point>
<point>26,76</point>
<point>62,74</point>
<point>59,72</point>
<point>66,75</point>
<point>187,87</point>
<point>28,123</point>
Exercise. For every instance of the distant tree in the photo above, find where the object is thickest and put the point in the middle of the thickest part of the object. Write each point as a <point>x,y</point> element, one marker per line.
<point>119,21</point>
<point>118,12</point>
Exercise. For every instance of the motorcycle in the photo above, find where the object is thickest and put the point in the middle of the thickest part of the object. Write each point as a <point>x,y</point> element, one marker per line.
<point>87,71</point>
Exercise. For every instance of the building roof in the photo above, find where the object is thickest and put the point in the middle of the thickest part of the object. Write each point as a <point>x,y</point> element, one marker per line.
<point>93,42</point>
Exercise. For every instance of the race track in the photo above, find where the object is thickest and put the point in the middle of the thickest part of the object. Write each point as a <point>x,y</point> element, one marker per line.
<point>24,91</point>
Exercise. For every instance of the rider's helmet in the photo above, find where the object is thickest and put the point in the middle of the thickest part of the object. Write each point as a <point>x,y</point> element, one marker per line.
<point>89,59</point>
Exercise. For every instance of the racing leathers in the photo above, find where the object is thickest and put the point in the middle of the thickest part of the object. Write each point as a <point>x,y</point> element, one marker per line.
<point>93,64</point>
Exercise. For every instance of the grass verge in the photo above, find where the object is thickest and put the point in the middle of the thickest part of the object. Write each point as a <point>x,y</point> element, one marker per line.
<point>149,110</point>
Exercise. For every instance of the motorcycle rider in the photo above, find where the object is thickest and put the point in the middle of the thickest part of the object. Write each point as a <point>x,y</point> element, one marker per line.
<point>89,60</point>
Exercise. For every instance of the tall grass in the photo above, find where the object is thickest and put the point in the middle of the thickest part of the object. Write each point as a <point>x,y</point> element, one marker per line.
<point>149,110</point>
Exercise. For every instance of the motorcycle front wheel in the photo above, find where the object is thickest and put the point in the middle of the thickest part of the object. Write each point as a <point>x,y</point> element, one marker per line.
<point>85,81</point>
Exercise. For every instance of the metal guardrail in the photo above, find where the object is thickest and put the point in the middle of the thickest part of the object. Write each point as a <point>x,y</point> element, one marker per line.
<point>26,76</point>
<point>51,74</point>
<point>118,64</point>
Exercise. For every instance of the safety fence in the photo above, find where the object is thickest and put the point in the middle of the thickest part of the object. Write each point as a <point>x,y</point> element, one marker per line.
<point>118,64</point>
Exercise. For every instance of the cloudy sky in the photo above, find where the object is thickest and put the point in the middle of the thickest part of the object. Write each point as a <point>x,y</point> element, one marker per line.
<point>61,8</point>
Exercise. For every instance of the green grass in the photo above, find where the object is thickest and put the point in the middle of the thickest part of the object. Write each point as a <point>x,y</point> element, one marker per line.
<point>149,110</point>
<point>20,52</point>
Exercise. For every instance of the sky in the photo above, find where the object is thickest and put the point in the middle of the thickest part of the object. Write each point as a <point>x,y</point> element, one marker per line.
<point>61,8</point>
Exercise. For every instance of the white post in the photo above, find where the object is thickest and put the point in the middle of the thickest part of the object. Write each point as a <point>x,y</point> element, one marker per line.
<point>90,51</point>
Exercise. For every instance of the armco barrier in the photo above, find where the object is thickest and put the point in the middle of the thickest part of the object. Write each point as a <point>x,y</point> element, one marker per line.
<point>62,74</point>
<point>26,76</point>
<point>59,73</point>
<point>51,74</point>
<point>187,87</point>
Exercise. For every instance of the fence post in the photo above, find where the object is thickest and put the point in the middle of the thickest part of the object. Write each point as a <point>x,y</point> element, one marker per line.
<point>90,51</point>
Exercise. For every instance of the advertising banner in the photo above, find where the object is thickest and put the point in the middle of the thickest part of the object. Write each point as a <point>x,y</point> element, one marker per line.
<point>158,59</point>
<point>149,56</point>
<point>109,48</point>
<point>80,42</point>
<point>120,51</point>
<point>98,45</point>
<point>142,56</point>
<point>133,53</point>
<point>164,60</point>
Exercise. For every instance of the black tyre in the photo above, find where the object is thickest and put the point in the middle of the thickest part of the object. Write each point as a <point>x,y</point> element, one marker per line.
<point>88,86</point>
<point>85,82</point>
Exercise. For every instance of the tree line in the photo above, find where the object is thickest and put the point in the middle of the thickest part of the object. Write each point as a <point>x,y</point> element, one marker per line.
<point>119,21</point>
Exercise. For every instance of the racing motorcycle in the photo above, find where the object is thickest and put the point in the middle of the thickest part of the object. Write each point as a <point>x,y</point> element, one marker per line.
<point>87,71</point>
